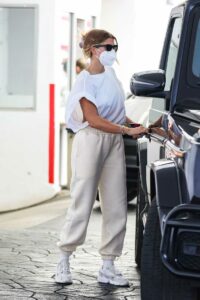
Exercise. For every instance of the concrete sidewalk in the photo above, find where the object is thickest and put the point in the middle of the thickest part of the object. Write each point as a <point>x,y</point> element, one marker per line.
<point>28,256</point>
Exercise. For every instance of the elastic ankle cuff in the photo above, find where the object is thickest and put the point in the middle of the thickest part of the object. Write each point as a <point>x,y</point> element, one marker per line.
<point>108,257</point>
<point>65,254</point>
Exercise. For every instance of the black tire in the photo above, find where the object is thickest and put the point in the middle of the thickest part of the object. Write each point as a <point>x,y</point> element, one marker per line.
<point>156,281</point>
<point>139,228</point>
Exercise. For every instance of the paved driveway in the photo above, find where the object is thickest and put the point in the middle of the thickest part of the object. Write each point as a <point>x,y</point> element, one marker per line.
<point>28,257</point>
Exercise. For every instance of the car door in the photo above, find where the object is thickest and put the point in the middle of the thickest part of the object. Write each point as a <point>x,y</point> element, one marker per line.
<point>161,106</point>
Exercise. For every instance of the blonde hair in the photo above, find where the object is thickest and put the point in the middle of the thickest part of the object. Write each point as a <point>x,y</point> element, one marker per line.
<point>93,37</point>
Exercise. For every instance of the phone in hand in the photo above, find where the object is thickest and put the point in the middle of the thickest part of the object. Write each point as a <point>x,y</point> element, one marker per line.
<point>134,125</point>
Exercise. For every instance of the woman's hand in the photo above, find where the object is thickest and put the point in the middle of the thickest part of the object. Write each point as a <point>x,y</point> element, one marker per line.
<point>136,132</point>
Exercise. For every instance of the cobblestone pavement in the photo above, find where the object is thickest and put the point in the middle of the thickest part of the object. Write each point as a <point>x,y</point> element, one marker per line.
<point>28,258</point>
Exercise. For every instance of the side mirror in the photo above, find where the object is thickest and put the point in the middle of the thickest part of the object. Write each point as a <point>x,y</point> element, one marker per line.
<point>149,84</point>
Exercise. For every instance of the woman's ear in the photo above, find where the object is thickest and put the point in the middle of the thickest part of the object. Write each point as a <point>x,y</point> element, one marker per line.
<point>94,51</point>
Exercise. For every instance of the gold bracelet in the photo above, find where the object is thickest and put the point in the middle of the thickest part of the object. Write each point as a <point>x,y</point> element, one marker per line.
<point>123,129</point>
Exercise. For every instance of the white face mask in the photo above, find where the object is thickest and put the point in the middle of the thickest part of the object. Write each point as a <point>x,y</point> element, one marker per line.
<point>107,58</point>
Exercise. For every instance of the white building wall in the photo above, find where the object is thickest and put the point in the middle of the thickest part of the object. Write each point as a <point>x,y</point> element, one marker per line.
<point>140,27</point>
<point>24,132</point>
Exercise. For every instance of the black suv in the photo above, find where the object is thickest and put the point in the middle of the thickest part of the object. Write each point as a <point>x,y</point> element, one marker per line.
<point>168,202</point>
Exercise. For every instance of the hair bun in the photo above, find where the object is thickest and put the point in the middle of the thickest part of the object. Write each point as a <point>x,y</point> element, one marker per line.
<point>81,44</point>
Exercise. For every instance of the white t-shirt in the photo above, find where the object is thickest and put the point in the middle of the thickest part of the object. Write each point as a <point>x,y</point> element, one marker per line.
<point>104,90</point>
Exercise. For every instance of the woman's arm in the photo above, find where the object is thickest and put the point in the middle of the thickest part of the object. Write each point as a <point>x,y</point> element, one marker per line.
<point>157,123</point>
<point>91,115</point>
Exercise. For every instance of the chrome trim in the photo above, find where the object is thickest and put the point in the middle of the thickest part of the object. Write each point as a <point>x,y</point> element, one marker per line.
<point>188,137</point>
<point>141,82</point>
<point>175,149</point>
<point>168,144</point>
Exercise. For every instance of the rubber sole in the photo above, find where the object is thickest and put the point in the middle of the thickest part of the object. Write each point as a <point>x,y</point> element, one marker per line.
<point>109,281</point>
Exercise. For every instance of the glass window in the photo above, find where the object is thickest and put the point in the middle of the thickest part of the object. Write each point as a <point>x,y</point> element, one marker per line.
<point>82,26</point>
<point>80,29</point>
<point>196,55</point>
<point>17,57</point>
<point>173,52</point>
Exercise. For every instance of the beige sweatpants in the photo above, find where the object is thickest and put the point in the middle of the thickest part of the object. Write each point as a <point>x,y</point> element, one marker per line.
<point>98,160</point>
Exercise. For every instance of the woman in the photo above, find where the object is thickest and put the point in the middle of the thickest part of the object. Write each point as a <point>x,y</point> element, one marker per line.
<point>96,113</point>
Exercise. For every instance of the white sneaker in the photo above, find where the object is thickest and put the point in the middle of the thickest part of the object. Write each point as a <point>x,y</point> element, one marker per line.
<point>63,274</point>
<point>112,276</point>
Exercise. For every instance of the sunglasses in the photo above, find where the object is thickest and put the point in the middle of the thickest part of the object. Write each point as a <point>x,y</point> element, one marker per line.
<point>108,47</point>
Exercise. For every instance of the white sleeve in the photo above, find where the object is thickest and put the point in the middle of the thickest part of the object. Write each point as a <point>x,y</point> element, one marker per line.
<point>83,88</point>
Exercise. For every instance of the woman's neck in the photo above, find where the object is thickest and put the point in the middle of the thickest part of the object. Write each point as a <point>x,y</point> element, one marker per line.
<point>95,67</point>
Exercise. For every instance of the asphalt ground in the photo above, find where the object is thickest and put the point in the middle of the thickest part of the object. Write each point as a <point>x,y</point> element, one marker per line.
<point>28,256</point>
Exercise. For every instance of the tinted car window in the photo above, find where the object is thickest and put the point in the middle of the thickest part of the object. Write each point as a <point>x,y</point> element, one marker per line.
<point>173,52</point>
<point>189,81</point>
<point>196,55</point>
